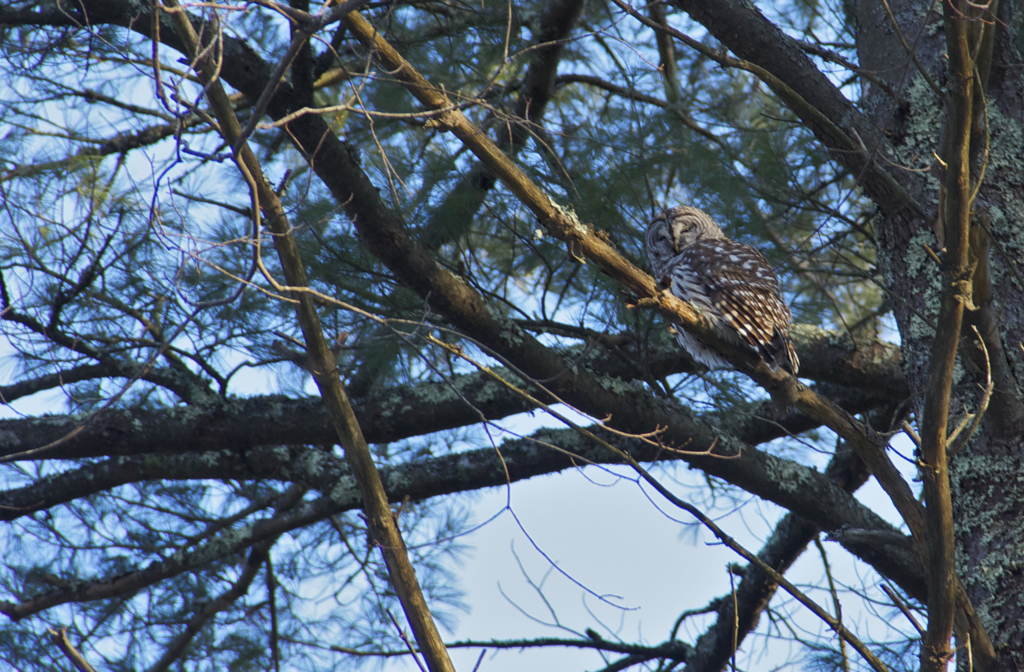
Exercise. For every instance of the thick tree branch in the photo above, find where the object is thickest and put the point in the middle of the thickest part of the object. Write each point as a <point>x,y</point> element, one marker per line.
<point>119,144</point>
<point>767,476</point>
<point>853,140</point>
<point>398,414</point>
<point>30,17</point>
<point>738,616</point>
<point>804,491</point>
<point>671,650</point>
<point>49,381</point>
<point>414,410</point>
<point>826,356</point>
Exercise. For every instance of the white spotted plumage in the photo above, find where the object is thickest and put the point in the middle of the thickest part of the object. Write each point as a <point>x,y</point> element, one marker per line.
<point>731,283</point>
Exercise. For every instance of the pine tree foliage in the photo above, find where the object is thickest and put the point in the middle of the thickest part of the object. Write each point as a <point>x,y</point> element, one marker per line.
<point>172,488</point>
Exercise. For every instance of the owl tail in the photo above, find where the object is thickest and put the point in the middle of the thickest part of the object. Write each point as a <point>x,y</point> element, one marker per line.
<point>793,362</point>
<point>781,352</point>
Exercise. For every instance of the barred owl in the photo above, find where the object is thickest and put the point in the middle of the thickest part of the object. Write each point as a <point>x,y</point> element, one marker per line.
<point>730,283</point>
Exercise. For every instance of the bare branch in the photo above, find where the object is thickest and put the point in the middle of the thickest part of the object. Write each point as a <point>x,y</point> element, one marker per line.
<point>956,295</point>
<point>775,576</point>
<point>60,638</point>
<point>323,364</point>
<point>254,562</point>
<point>739,615</point>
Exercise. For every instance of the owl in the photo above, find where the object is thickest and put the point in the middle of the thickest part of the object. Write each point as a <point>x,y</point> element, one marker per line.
<point>730,283</point>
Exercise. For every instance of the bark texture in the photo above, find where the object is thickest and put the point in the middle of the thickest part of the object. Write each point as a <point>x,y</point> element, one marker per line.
<point>986,490</point>
<point>895,138</point>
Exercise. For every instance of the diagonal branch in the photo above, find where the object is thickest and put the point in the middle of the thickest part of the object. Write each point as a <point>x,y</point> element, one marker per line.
<point>762,566</point>
<point>323,365</point>
<point>455,214</point>
<point>585,243</point>
<point>738,617</point>
<point>780,61</point>
<point>60,638</point>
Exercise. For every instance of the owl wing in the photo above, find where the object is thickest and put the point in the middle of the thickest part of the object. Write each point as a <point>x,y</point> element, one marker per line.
<point>743,291</point>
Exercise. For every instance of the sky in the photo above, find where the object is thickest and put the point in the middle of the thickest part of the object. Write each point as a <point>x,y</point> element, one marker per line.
<point>610,536</point>
<point>593,548</point>
<point>587,548</point>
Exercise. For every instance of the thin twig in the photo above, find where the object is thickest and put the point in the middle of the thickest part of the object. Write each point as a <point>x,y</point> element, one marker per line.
<point>778,578</point>
<point>957,445</point>
<point>835,599</point>
<point>902,606</point>
<point>408,642</point>
<point>911,51</point>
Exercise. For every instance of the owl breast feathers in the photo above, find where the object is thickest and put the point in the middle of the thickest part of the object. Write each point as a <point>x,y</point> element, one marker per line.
<point>730,283</point>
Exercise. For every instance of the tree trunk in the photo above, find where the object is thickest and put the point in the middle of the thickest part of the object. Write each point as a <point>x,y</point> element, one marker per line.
<point>986,488</point>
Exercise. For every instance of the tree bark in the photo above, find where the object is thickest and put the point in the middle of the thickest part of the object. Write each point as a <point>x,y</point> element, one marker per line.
<point>985,488</point>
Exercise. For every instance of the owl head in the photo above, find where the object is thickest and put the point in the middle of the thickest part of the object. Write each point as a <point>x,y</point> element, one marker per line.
<point>673,230</point>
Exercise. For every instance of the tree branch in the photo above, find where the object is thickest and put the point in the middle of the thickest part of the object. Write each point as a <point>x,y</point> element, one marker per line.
<point>787,542</point>
<point>60,638</point>
<point>255,560</point>
<point>804,491</point>
<point>942,578</point>
<point>454,216</point>
<point>323,365</point>
<point>782,64</point>
<point>187,559</point>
